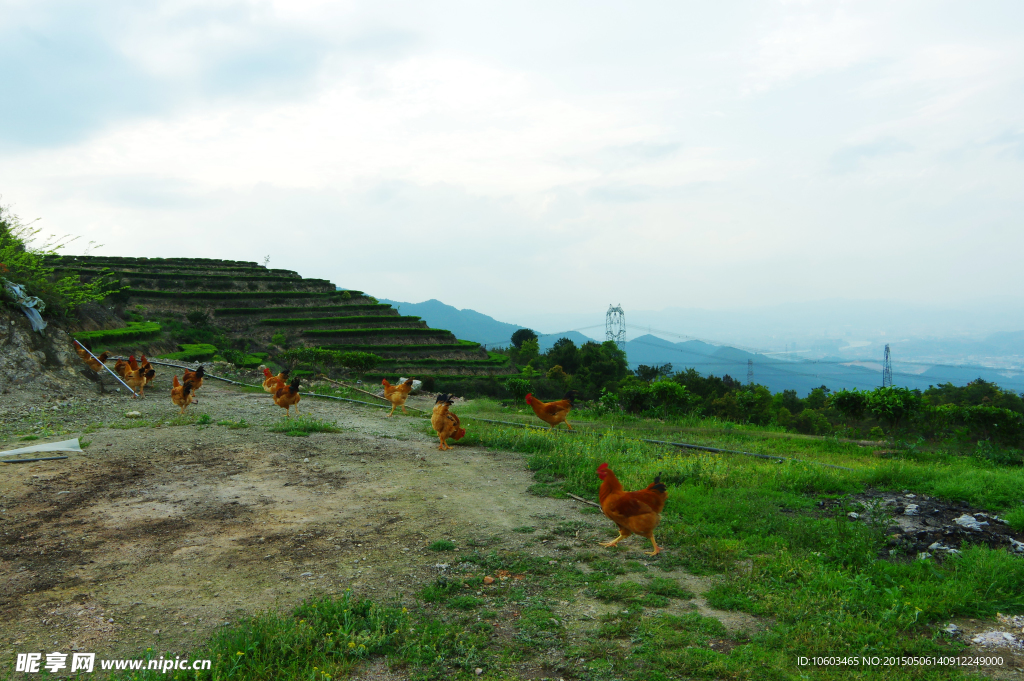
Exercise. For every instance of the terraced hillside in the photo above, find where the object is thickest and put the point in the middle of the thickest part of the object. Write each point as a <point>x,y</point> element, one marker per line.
<point>260,310</point>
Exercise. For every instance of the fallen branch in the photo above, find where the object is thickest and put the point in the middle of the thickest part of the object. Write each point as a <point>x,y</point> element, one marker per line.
<point>583,501</point>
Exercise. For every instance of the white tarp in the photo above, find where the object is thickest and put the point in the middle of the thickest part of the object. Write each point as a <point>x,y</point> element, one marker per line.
<point>64,446</point>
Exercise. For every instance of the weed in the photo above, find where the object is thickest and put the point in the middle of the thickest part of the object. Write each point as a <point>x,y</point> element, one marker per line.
<point>442,545</point>
<point>302,426</point>
<point>234,425</point>
<point>525,529</point>
<point>204,419</point>
<point>29,437</point>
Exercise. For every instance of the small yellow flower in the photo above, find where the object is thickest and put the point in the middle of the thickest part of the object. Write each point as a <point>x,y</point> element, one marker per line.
<point>351,644</point>
<point>239,653</point>
<point>361,645</point>
<point>405,609</point>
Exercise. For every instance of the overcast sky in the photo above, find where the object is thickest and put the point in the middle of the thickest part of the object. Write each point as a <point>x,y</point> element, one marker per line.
<point>534,157</point>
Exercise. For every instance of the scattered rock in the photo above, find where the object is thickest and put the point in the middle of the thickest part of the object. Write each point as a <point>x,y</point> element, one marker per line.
<point>134,414</point>
<point>911,509</point>
<point>478,670</point>
<point>853,516</point>
<point>488,580</point>
<point>969,522</point>
<point>997,638</point>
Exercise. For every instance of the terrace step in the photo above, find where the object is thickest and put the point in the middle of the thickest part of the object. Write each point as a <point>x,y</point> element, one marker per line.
<point>309,311</point>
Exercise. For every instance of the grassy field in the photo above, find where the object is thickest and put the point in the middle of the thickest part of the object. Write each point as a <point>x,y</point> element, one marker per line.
<point>821,584</point>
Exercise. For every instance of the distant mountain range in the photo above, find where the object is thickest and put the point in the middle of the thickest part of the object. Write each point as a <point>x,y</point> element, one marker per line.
<point>472,325</point>
<point>778,374</point>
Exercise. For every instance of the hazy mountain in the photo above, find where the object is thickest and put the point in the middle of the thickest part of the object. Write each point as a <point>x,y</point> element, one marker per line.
<point>802,376</point>
<point>471,325</point>
<point>837,365</point>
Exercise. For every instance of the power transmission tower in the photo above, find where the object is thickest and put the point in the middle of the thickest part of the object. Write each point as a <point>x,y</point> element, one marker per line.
<point>615,326</point>
<point>887,369</point>
<point>750,372</point>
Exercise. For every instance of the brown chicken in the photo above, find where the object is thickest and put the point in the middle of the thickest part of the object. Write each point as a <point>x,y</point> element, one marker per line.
<point>272,383</point>
<point>446,423</point>
<point>288,396</point>
<point>80,348</point>
<point>634,512</point>
<point>121,367</point>
<point>195,378</point>
<point>553,413</point>
<point>181,395</point>
<point>397,394</point>
<point>137,377</point>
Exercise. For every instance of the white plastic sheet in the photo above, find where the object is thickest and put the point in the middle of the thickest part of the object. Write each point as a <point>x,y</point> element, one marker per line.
<point>63,446</point>
<point>30,305</point>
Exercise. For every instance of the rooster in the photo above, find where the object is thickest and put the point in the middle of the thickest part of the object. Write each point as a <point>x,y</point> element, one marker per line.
<point>397,394</point>
<point>287,396</point>
<point>195,378</point>
<point>446,423</point>
<point>121,367</point>
<point>271,383</point>
<point>181,395</point>
<point>137,377</point>
<point>634,512</point>
<point>553,413</point>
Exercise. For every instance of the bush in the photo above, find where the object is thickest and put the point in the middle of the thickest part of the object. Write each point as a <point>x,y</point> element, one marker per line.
<point>21,263</point>
<point>133,331</point>
<point>193,352</point>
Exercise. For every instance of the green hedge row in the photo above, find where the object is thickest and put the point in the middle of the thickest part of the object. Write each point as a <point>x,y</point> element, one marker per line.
<point>193,352</point>
<point>257,271</point>
<point>445,362</point>
<point>299,321</point>
<point>171,276</point>
<point>427,347</point>
<point>235,295</point>
<point>376,332</point>
<point>225,311</point>
<point>201,262</point>
<point>134,331</point>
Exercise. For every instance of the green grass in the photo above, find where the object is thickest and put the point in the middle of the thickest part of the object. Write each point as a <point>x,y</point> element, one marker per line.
<point>302,426</point>
<point>233,425</point>
<point>442,545</point>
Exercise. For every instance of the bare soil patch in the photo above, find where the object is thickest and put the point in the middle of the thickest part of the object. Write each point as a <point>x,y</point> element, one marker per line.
<point>158,534</point>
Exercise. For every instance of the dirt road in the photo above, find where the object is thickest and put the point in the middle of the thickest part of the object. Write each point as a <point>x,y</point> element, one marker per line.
<point>157,534</point>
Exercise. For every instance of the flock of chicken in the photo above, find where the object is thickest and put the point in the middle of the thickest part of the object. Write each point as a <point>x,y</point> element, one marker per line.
<point>633,512</point>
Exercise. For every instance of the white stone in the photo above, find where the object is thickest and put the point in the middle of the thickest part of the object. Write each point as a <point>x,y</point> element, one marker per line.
<point>969,522</point>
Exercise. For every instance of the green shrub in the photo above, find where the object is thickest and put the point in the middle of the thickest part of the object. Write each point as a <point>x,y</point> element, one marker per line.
<point>30,266</point>
<point>442,545</point>
<point>193,352</point>
<point>133,331</point>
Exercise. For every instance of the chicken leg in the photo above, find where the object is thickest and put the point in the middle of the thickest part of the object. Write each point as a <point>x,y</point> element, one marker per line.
<point>623,533</point>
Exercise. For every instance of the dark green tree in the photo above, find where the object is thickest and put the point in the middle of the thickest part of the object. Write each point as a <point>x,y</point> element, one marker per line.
<point>523,335</point>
